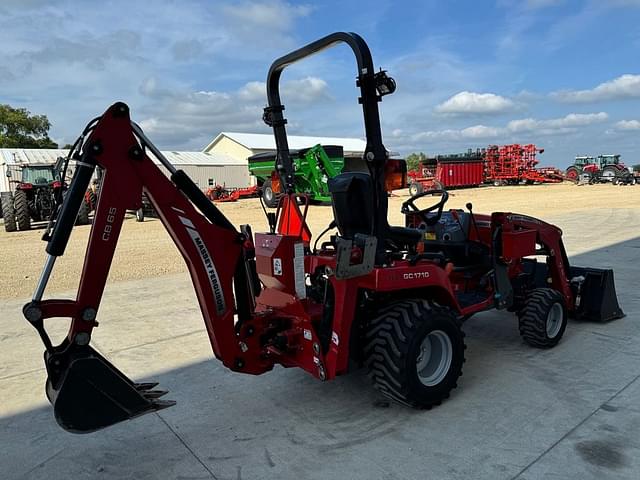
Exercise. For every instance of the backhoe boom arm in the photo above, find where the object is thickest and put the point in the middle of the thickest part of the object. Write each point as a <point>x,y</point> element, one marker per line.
<point>214,251</point>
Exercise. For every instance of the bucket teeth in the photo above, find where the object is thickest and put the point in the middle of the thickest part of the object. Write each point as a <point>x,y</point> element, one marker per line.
<point>145,386</point>
<point>160,404</point>
<point>151,394</point>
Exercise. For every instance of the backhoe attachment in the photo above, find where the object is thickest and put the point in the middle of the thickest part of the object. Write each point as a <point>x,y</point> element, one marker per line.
<point>86,390</point>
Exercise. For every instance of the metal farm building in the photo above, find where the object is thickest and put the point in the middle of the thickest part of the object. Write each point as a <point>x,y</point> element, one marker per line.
<point>206,169</point>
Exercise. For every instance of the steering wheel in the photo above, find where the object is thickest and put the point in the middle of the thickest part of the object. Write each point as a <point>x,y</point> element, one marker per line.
<point>408,207</point>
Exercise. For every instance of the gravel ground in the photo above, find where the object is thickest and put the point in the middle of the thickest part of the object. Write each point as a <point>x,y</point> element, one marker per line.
<point>145,249</point>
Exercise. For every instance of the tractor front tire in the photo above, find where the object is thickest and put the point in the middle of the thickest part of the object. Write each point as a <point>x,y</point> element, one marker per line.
<point>8,212</point>
<point>414,351</point>
<point>543,319</point>
<point>83,214</point>
<point>573,174</point>
<point>21,205</point>
<point>415,188</point>
<point>140,215</point>
<point>270,198</point>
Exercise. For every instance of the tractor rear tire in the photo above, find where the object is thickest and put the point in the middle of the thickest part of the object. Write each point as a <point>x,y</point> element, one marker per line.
<point>83,214</point>
<point>415,188</point>
<point>269,197</point>
<point>414,351</point>
<point>610,174</point>
<point>8,212</point>
<point>543,319</point>
<point>21,205</point>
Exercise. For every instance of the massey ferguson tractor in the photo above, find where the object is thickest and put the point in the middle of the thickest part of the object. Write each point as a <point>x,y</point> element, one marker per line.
<point>392,298</point>
<point>601,169</point>
<point>36,188</point>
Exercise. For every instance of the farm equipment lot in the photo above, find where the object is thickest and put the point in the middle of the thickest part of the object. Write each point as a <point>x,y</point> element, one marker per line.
<point>570,412</point>
<point>146,251</point>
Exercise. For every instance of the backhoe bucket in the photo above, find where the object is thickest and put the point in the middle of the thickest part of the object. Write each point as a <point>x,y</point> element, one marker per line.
<point>595,294</point>
<point>88,393</point>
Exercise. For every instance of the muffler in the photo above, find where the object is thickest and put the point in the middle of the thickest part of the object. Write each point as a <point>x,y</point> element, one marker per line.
<point>89,393</point>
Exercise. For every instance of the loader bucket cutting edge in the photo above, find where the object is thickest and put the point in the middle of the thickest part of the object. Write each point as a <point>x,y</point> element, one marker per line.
<point>88,393</point>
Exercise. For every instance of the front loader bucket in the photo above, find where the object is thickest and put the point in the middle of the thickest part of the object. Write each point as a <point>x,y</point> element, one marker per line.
<point>88,393</point>
<point>595,293</point>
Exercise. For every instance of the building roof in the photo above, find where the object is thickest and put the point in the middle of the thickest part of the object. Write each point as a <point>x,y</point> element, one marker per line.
<point>34,156</point>
<point>31,155</point>
<point>262,141</point>
<point>200,158</point>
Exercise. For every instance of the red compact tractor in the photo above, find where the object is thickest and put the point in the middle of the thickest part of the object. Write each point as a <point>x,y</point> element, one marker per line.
<point>392,298</point>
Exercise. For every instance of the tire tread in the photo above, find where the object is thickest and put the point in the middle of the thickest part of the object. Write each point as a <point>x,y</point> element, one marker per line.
<point>387,343</point>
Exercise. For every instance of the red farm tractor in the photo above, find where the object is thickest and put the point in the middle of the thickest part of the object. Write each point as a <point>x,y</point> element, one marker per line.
<point>390,297</point>
<point>36,188</point>
<point>601,169</point>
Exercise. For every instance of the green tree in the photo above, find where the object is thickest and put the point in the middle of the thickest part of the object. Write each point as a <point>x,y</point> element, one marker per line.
<point>414,159</point>
<point>636,168</point>
<point>20,129</point>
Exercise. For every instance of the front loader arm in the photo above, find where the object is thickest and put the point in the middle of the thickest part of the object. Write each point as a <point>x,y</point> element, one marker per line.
<point>589,293</point>
<point>211,246</point>
<point>549,237</point>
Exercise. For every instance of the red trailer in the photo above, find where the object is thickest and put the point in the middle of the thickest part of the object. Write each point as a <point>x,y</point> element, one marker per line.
<point>448,171</point>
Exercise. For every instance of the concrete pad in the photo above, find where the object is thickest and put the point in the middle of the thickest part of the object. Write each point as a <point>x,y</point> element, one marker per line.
<point>518,412</point>
<point>605,445</point>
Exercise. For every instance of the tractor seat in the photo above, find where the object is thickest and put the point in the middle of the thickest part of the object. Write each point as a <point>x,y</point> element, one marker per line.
<point>352,201</point>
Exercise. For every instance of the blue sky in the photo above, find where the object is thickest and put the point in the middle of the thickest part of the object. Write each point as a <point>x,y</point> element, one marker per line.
<point>562,74</point>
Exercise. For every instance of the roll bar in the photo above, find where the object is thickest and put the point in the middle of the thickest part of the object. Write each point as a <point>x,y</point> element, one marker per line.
<point>373,86</point>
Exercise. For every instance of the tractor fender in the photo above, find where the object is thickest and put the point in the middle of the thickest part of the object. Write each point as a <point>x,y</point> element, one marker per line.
<point>427,281</point>
<point>436,293</point>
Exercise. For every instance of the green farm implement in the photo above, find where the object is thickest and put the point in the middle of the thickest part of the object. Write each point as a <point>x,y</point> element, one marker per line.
<point>313,168</point>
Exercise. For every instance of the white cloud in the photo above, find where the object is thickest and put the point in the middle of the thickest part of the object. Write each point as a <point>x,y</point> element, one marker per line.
<point>628,125</point>
<point>301,91</point>
<point>191,119</point>
<point>473,132</point>
<point>474,103</point>
<point>625,86</point>
<point>480,131</point>
<point>253,91</point>
<point>570,120</point>
<point>305,90</point>
<point>266,15</point>
<point>552,126</point>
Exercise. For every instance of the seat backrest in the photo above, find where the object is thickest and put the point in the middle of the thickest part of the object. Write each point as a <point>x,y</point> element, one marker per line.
<point>352,199</point>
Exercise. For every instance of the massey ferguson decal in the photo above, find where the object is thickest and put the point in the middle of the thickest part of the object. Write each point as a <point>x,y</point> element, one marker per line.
<point>214,280</point>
